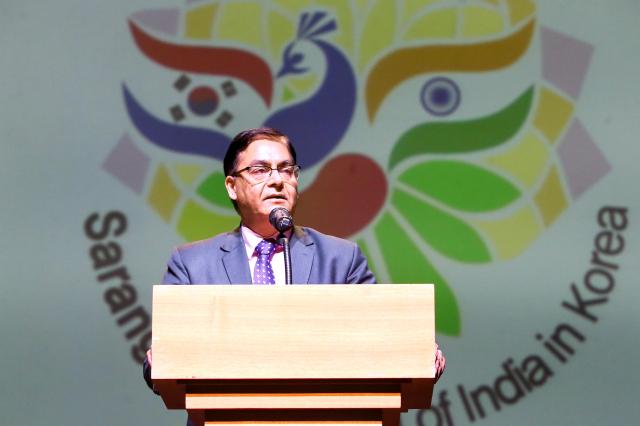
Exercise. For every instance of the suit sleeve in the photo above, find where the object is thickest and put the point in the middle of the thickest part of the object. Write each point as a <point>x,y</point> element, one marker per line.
<point>146,373</point>
<point>359,272</point>
<point>176,272</point>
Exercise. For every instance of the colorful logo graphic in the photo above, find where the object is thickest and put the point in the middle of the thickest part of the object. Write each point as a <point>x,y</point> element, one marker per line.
<point>441,129</point>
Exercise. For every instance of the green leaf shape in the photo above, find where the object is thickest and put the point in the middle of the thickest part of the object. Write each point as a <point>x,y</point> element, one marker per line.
<point>197,223</point>
<point>406,264</point>
<point>463,136</point>
<point>463,186</point>
<point>212,190</point>
<point>447,234</point>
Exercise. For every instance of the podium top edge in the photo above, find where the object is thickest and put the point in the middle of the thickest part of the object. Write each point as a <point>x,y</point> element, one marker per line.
<point>296,285</point>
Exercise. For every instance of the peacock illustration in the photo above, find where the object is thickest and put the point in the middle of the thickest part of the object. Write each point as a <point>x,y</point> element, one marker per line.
<point>317,124</point>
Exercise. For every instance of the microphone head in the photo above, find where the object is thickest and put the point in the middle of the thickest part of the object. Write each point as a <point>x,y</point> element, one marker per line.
<point>281,219</point>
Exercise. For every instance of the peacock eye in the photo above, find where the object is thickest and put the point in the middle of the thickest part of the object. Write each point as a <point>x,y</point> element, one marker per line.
<point>440,96</point>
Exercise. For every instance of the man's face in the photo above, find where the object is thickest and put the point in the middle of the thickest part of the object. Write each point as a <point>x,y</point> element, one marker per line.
<point>256,199</point>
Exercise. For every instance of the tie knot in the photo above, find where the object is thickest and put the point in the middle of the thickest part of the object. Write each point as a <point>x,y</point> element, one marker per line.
<point>265,248</point>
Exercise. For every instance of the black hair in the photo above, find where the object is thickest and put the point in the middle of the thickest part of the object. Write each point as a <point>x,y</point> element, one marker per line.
<point>243,139</point>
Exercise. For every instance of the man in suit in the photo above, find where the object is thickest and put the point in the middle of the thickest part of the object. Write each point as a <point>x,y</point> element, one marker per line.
<point>262,174</point>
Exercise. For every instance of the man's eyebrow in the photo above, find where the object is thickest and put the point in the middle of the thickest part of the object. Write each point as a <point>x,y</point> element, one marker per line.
<point>268,164</point>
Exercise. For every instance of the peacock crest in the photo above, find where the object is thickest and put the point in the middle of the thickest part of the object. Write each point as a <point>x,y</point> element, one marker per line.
<point>311,25</point>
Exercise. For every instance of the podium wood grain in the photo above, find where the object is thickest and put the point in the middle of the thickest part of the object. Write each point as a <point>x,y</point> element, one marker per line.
<point>293,332</point>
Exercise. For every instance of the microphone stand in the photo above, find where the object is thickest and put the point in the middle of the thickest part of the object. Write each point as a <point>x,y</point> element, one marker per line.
<point>284,241</point>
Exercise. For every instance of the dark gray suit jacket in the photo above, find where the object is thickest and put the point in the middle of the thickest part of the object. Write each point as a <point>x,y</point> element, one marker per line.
<point>316,258</point>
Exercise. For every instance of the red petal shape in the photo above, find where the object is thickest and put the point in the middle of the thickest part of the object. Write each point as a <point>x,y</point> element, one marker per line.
<point>348,193</point>
<point>240,64</point>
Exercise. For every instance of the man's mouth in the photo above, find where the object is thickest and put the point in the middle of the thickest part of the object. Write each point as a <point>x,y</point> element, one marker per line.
<point>275,197</point>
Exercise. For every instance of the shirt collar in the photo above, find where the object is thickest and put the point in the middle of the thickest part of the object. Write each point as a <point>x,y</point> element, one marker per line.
<point>251,240</point>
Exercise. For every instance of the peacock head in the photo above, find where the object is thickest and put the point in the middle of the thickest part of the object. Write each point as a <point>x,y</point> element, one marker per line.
<point>292,61</point>
<point>297,57</point>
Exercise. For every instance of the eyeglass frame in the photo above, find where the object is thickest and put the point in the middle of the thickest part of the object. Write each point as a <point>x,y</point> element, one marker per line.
<point>295,174</point>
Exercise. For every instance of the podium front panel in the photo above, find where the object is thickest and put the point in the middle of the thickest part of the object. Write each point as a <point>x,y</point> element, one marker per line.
<point>293,332</point>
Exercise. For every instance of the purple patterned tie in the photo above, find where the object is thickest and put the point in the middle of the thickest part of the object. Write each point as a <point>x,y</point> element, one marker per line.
<point>263,273</point>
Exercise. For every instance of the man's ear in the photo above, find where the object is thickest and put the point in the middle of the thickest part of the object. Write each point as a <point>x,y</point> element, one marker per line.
<point>230,185</point>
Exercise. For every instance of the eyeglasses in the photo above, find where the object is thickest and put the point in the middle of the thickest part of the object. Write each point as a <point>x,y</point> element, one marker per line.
<point>261,173</point>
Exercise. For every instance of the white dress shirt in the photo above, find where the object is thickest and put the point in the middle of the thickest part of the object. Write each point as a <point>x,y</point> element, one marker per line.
<point>251,240</point>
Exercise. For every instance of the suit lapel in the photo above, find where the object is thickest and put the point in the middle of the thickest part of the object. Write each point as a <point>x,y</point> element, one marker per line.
<point>234,259</point>
<point>302,253</point>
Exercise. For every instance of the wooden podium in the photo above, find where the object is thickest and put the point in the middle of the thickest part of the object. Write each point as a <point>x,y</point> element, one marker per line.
<point>301,354</point>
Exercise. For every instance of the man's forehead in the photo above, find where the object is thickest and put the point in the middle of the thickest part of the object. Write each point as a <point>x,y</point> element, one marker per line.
<point>266,150</point>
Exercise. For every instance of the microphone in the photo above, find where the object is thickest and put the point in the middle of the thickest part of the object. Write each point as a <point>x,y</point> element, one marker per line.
<point>281,219</point>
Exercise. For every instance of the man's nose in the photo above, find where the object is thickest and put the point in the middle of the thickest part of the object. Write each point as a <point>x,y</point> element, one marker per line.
<point>275,178</point>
